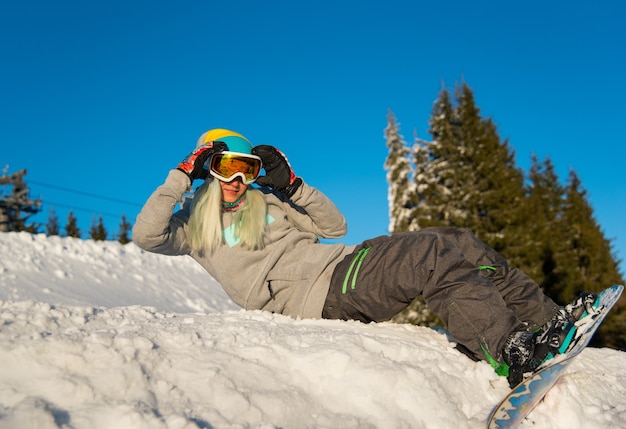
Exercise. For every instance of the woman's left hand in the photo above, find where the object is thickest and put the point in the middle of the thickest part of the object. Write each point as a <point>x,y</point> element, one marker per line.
<point>278,172</point>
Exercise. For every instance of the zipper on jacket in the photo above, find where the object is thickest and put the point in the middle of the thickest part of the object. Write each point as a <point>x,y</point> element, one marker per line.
<point>358,260</point>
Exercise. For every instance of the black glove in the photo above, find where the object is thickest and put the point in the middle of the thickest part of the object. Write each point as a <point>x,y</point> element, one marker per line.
<point>278,172</point>
<point>193,164</point>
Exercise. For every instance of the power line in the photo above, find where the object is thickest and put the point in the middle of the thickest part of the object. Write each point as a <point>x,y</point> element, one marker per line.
<point>71,207</point>
<point>87,194</point>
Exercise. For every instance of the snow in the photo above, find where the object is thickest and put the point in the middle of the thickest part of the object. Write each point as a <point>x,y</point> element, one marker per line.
<point>100,335</point>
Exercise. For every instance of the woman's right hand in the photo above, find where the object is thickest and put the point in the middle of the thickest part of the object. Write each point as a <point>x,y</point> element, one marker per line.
<point>193,164</point>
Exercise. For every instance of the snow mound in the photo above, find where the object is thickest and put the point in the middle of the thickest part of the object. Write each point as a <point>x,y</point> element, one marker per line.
<point>103,273</point>
<point>127,339</point>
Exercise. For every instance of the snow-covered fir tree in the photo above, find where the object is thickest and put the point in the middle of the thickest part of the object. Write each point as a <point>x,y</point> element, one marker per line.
<point>401,195</point>
<point>420,153</point>
<point>541,216</point>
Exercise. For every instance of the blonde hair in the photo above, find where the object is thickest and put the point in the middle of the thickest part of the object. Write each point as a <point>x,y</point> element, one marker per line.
<point>205,220</point>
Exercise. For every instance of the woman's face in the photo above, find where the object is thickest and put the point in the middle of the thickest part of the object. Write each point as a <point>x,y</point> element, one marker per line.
<point>233,190</point>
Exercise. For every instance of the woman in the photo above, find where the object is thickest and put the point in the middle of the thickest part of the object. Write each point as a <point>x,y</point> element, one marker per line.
<point>262,245</point>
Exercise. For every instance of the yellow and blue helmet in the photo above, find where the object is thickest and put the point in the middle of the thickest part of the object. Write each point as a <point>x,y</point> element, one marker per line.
<point>235,141</point>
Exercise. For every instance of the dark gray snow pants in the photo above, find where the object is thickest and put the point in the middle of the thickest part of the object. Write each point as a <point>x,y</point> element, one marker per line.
<point>479,307</point>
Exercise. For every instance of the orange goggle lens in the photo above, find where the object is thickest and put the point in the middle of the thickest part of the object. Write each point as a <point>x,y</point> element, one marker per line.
<point>226,166</point>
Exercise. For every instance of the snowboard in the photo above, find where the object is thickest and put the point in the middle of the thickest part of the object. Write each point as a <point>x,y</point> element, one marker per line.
<point>525,396</point>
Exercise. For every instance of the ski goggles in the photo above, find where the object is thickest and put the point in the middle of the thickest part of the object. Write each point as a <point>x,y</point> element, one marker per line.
<point>226,166</point>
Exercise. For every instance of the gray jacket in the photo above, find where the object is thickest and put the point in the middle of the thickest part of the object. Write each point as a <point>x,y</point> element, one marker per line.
<point>290,275</point>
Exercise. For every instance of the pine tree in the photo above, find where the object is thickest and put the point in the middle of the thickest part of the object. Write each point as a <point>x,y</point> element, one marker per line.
<point>97,231</point>
<point>543,239</point>
<point>438,181</point>
<point>493,187</point>
<point>52,225</point>
<point>16,206</point>
<point>471,180</point>
<point>588,264</point>
<point>71,228</point>
<point>123,236</point>
<point>421,211</point>
<point>401,187</point>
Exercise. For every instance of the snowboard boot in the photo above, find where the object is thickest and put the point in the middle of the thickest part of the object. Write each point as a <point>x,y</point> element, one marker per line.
<point>525,351</point>
<point>518,352</point>
<point>556,336</point>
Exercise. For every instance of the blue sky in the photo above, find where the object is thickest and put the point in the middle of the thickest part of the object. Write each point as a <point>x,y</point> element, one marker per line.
<point>103,98</point>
